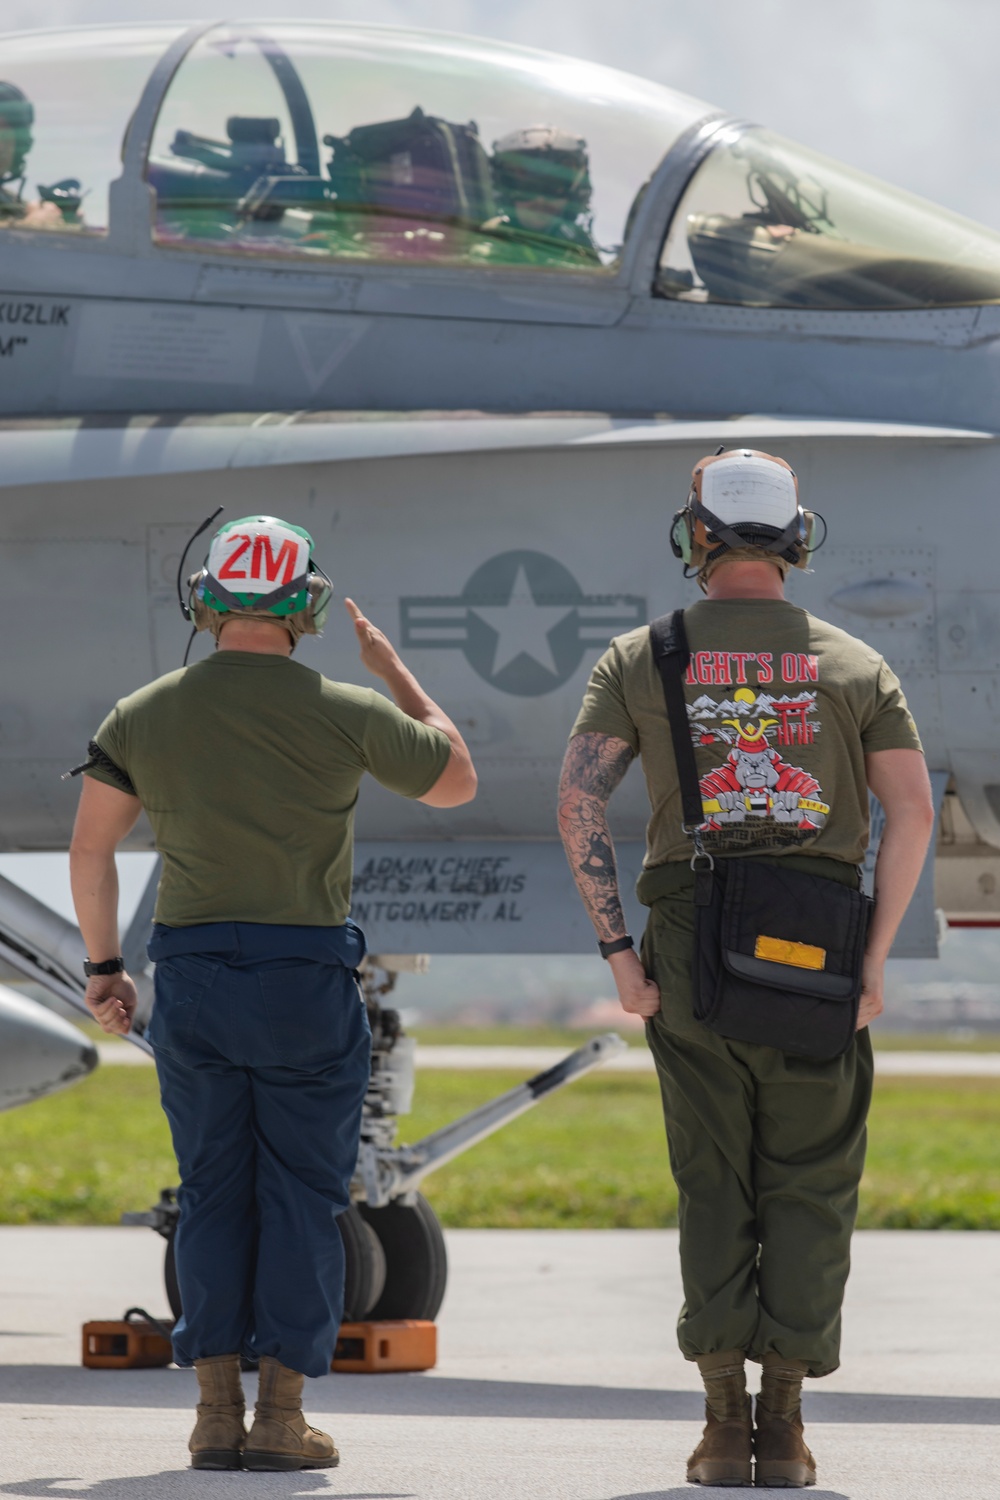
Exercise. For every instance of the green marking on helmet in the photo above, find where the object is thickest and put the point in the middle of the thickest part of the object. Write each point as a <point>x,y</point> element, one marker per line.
<point>250,601</point>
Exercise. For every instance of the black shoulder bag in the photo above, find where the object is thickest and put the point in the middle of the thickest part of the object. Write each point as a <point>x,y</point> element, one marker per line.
<point>778,953</point>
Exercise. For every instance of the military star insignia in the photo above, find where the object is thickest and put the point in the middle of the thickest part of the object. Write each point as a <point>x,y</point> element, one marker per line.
<point>522,626</point>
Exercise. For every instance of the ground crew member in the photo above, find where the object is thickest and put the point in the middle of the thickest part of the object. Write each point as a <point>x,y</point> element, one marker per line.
<point>248,766</point>
<point>789,717</point>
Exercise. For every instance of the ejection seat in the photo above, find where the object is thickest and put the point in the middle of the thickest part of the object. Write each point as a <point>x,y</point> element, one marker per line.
<point>419,186</point>
<point>209,188</point>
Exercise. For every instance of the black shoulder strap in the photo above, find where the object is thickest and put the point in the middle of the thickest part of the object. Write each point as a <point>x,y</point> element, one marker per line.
<point>671,654</point>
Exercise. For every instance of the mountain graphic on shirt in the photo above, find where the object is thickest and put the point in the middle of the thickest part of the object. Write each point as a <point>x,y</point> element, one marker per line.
<point>705,708</point>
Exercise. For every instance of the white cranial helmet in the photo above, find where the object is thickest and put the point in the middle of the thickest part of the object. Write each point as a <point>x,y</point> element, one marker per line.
<point>743,499</point>
<point>750,489</point>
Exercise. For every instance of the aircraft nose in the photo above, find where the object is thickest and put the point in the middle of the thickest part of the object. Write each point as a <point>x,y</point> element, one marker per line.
<point>39,1051</point>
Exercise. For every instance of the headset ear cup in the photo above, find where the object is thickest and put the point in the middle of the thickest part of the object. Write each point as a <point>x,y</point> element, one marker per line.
<point>680,535</point>
<point>807,536</point>
<point>201,615</point>
<point>320,594</point>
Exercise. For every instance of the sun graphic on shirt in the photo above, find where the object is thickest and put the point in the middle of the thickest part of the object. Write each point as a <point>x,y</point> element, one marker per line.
<point>751,734</point>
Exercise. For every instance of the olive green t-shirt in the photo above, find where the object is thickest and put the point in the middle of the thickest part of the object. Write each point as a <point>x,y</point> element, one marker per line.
<point>248,767</point>
<point>783,709</point>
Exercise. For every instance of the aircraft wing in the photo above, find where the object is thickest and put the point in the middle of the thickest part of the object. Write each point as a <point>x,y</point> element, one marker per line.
<point>38,451</point>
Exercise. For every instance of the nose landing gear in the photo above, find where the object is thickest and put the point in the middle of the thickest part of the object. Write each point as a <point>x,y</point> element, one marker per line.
<point>396,1264</point>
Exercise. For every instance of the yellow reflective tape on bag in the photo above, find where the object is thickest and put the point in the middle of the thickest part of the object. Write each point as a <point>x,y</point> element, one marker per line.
<point>798,955</point>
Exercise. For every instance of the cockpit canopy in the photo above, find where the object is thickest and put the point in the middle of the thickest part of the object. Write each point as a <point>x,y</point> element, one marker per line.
<point>768,223</point>
<point>388,145</point>
<point>352,144</point>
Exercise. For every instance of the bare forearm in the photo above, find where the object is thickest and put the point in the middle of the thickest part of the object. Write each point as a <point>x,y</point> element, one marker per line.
<point>94,881</point>
<point>457,782</point>
<point>590,850</point>
<point>901,855</point>
<point>593,767</point>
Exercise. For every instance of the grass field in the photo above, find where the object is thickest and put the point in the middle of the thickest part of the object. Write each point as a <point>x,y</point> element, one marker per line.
<point>592,1156</point>
<point>564,1036</point>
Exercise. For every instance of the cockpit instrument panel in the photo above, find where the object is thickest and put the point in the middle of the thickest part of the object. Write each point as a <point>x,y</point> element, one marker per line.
<point>768,223</point>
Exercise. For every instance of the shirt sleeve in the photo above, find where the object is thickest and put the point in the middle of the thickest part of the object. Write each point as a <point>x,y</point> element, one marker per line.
<point>402,754</point>
<point>890,725</point>
<point>107,751</point>
<point>604,710</point>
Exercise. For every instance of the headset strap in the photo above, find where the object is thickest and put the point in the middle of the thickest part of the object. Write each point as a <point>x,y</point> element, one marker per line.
<point>671,654</point>
<point>265,601</point>
<point>791,535</point>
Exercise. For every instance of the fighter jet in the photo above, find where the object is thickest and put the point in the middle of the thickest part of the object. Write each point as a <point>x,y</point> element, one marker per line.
<point>471,313</point>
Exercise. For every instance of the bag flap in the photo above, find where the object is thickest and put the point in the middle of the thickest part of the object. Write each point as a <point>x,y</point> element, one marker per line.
<point>818,984</point>
<point>802,930</point>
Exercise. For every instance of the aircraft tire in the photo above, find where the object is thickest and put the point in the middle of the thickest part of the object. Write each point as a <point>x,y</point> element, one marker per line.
<point>416,1259</point>
<point>170,1276</point>
<point>364,1267</point>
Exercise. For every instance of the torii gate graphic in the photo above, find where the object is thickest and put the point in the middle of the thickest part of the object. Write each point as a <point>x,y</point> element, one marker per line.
<point>795,728</point>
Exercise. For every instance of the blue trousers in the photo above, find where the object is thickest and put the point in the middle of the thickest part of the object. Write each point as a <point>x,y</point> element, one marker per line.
<point>262,1049</point>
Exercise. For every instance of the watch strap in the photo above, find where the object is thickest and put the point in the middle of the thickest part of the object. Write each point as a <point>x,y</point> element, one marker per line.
<point>108,966</point>
<point>617,945</point>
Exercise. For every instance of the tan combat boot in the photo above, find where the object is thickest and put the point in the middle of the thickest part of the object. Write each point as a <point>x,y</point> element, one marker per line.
<point>725,1454</point>
<point>280,1437</point>
<point>218,1436</point>
<point>783,1460</point>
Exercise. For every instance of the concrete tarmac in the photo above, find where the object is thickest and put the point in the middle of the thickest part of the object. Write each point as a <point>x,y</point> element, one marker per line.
<point>558,1379</point>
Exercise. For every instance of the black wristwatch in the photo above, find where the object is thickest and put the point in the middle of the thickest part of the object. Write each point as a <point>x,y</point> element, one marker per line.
<point>109,966</point>
<point>618,945</point>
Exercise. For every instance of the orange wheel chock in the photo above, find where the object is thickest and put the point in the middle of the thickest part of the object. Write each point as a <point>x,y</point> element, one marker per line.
<point>121,1344</point>
<point>376,1348</point>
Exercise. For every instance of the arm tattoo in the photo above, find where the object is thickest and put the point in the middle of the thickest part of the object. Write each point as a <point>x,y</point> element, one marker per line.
<point>594,766</point>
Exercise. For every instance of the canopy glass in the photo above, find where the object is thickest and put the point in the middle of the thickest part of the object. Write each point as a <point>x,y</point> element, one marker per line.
<point>65,101</point>
<point>767,223</point>
<point>362,143</point>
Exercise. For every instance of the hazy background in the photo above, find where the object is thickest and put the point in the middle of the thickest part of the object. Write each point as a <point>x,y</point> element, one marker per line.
<point>906,91</point>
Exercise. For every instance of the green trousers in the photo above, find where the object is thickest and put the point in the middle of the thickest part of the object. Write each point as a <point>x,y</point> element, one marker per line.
<point>767,1152</point>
